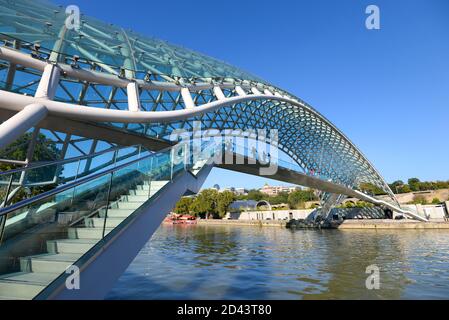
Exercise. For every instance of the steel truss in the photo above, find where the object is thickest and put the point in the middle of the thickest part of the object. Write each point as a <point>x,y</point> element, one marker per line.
<point>147,87</point>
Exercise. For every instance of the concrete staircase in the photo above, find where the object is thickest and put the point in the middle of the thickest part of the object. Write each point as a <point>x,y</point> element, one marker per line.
<point>37,272</point>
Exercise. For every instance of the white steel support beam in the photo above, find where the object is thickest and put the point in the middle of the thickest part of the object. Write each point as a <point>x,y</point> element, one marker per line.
<point>240,91</point>
<point>49,82</point>
<point>255,90</point>
<point>133,97</point>
<point>23,59</point>
<point>187,98</point>
<point>219,93</point>
<point>17,125</point>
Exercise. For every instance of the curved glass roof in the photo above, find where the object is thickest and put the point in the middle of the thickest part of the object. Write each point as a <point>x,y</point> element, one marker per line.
<point>109,46</point>
<point>306,136</point>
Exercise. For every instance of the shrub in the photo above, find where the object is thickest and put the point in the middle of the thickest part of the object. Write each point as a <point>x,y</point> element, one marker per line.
<point>436,201</point>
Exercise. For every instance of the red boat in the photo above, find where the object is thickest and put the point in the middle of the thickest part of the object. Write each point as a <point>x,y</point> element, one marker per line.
<point>180,219</point>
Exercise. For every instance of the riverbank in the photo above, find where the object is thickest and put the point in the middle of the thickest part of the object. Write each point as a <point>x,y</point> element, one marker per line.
<point>347,224</point>
<point>255,223</point>
<point>392,224</point>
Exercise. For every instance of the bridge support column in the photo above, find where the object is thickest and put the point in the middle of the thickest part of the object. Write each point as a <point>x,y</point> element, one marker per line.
<point>17,125</point>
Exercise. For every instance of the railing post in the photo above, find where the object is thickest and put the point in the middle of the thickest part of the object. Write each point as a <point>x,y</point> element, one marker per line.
<point>172,153</point>
<point>5,216</point>
<point>149,177</point>
<point>107,204</point>
<point>76,178</point>
<point>108,201</point>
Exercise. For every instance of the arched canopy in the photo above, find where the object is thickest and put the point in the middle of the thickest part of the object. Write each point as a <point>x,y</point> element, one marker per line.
<point>119,69</point>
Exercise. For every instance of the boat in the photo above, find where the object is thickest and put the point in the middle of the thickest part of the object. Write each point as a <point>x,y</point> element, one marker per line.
<point>174,218</point>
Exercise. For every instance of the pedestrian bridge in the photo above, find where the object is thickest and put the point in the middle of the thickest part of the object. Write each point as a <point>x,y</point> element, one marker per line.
<point>89,166</point>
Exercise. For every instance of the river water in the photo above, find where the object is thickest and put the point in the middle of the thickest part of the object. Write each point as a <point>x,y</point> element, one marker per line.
<point>233,262</point>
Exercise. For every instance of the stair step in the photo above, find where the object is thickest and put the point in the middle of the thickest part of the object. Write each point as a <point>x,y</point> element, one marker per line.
<point>79,246</point>
<point>11,298</point>
<point>87,233</point>
<point>117,213</point>
<point>25,285</point>
<point>99,222</point>
<point>137,198</point>
<point>53,263</point>
<point>129,205</point>
<point>160,183</point>
<point>152,187</point>
<point>143,193</point>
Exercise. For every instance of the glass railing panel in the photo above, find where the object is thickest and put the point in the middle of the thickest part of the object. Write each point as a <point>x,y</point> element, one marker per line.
<point>36,228</point>
<point>39,178</point>
<point>162,167</point>
<point>10,189</point>
<point>86,212</point>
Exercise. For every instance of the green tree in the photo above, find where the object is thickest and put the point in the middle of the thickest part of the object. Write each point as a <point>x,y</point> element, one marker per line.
<point>298,198</point>
<point>436,201</point>
<point>396,186</point>
<point>44,150</point>
<point>405,189</point>
<point>205,203</point>
<point>224,200</point>
<point>414,184</point>
<point>255,195</point>
<point>282,197</point>
<point>184,205</point>
<point>371,189</point>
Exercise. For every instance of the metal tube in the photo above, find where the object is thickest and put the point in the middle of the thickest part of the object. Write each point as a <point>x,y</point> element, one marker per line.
<point>17,125</point>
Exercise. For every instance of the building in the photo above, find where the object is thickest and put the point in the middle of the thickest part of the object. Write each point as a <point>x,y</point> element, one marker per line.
<point>275,190</point>
<point>236,191</point>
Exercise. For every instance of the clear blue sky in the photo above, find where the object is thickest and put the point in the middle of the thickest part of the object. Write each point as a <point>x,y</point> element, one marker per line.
<point>387,89</point>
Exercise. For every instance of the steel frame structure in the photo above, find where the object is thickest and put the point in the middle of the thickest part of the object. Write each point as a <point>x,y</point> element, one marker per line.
<point>140,86</point>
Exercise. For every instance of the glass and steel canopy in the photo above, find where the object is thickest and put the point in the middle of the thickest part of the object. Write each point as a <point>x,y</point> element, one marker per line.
<point>116,56</point>
<point>109,46</point>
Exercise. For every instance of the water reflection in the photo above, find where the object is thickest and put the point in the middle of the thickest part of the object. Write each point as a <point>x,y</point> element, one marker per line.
<point>229,262</point>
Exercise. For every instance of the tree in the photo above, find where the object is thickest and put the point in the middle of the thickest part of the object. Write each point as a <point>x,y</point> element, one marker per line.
<point>371,189</point>
<point>404,189</point>
<point>297,198</point>
<point>414,184</point>
<point>205,203</point>
<point>184,205</point>
<point>224,200</point>
<point>280,198</point>
<point>44,150</point>
<point>396,186</point>
<point>255,195</point>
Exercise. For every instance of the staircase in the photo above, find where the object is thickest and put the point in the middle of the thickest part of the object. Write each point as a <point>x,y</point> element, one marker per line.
<point>38,271</point>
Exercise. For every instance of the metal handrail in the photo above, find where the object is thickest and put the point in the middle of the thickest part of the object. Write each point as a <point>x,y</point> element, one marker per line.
<point>64,161</point>
<point>68,186</point>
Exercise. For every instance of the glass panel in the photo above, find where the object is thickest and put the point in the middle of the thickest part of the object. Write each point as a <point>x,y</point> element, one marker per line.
<point>29,182</point>
<point>109,46</point>
<point>68,224</point>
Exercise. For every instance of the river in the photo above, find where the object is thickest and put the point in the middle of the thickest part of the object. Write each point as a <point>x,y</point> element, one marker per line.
<point>238,262</point>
